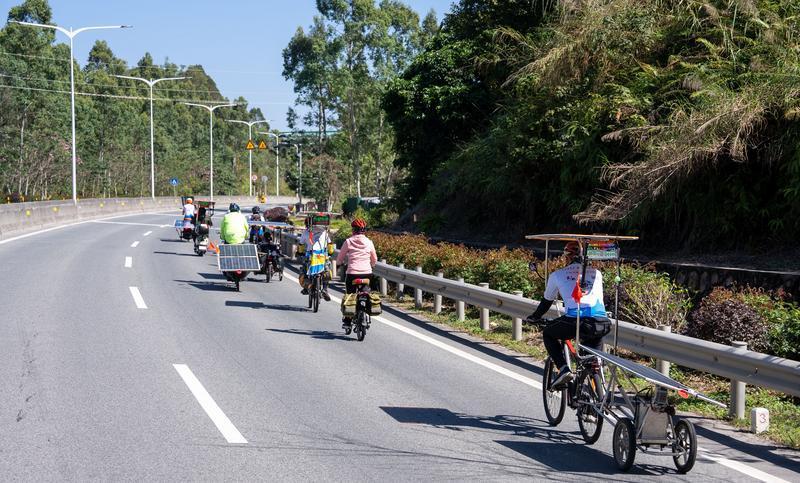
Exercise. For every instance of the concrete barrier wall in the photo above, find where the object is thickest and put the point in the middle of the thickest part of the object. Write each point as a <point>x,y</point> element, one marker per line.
<point>19,218</point>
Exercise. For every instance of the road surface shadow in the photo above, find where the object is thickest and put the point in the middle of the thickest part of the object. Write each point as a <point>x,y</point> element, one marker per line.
<point>173,240</point>
<point>176,253</point>
<point>753,452</point>
<point>261,305</point>
<point>566,457</point>
<point>209,286</point>
<point>314,334</point>
<point>212,276</point>
<point>562,451</point>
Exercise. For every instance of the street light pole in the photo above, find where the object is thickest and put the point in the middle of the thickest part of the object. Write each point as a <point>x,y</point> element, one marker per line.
<point>211,110</point>
<point>71,34</point>
<point>250,125</point>
<point>277,169</point>
<point>150,83</point>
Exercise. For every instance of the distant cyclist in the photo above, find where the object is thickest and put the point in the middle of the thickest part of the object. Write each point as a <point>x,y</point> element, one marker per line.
<point>359,251</point>
<point>234,227</point>
<point>256,232</point>
<point>594,324</point>
<point>188,210</point>
<point>313,239</point>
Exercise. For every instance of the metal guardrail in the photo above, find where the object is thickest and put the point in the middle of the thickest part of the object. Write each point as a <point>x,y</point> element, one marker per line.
<point>737,364</point>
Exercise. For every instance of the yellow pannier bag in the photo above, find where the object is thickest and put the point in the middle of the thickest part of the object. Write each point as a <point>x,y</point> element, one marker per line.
<point>374,303</point>
<point>349,304</point>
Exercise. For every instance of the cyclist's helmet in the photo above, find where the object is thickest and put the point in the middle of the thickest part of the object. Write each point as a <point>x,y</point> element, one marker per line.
<point>359,225</point>
<point>572,249</point>
<point>233,207</point>
<point>189,201</point>
<point>256,210</point>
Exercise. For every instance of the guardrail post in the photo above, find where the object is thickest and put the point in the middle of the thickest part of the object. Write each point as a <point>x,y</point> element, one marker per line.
<point>736,408</point>
<point>663,366</point>
<point>460,304</point>
<point>484,312</point>
<point>418,292</point>
<point>437,299</point>
<point>384,283</point>
<point>516,323</point>
<point>400,285</point>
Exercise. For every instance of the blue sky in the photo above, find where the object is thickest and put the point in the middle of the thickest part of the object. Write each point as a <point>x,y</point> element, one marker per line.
<point>239,42</point>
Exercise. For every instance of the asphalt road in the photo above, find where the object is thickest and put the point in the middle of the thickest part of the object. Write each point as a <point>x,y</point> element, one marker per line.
<point>208,384</point>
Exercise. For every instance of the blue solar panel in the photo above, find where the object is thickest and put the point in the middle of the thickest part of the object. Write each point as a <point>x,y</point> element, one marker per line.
<point>238,257</point>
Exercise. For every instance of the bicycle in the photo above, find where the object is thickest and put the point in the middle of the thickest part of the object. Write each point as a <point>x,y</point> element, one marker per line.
<point>585,393</point>
<point>361,319</point>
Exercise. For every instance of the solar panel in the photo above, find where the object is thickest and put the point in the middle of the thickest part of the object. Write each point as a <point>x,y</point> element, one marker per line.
<point>238,257</point>
<point>648,373</point>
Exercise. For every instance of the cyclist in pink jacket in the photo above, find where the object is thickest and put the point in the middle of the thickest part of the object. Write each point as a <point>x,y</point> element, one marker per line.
<point>359,251</point>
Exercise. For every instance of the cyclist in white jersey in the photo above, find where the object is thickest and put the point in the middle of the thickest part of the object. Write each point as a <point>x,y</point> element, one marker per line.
<point>594,323</point>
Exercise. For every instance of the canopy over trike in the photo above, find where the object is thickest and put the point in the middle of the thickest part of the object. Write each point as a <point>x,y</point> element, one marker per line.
<point>633,397</point>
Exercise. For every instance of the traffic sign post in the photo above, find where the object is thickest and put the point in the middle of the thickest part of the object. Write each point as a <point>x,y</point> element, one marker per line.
<point>174,183</point>
<point>262,144</point>
<point>264,180</point>
<point>250,146</point>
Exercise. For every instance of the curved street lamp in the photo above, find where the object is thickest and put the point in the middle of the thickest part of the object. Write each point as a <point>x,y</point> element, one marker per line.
<point>71,34</point>
<point>211,110</point>
<point>150,83</point>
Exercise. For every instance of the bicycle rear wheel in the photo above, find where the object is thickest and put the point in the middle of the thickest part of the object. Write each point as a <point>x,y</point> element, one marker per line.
<point>555,401</point>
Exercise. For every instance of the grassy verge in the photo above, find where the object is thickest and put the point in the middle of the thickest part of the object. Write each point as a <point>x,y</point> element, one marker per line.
<point>784,412</point>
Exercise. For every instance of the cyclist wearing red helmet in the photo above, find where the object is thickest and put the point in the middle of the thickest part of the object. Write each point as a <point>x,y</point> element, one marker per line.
<point>594,323</point>
<point>359,251</point>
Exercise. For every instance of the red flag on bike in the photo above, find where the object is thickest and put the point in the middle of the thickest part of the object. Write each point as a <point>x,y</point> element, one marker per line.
<point>576,292</point>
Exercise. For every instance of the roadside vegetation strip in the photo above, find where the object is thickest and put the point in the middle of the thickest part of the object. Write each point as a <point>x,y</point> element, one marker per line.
<point>214,412</point>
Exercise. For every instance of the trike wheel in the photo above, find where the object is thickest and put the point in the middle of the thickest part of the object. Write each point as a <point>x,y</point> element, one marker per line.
<point>686,441</point>
<point>555,402</point>
<point>590,421</point>
<point>624,443</point>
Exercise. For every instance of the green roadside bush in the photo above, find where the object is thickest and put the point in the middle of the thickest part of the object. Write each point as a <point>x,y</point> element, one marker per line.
<point>648,298</point>
<point>765,321</point>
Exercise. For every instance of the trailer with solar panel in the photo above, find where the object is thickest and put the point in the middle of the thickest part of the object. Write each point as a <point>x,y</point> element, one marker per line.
<point>633,397</point>
<point>269,252</point>
<point>237,261</point>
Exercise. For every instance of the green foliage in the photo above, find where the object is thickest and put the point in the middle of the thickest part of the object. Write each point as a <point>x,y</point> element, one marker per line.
<point>674,119</point>
<point>782,319</point>
<point>113,121</point>
<point>724,316</point>
<point>648,298</point>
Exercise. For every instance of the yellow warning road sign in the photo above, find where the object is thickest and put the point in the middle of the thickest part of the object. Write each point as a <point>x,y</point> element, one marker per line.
<point>262,144</point>
<point>250,144</point>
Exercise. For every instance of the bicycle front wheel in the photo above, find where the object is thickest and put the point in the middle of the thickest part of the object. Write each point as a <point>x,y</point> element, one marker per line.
<point>555,401</point>
<point>590,421</point>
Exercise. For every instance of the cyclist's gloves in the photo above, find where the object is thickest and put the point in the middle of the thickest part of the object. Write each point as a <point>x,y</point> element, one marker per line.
<point>542,309</point>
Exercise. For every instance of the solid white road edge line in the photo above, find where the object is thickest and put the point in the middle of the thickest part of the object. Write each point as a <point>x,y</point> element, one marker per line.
<point>220,420</point>
<point>135,244</point>
<point>137,298</point>
<point>128,262</point>
<point>451,349</point>
<point>124,223</point>
<point>740,467</point>
<point>59,227</point>
<point>149,232</point>
<point>734,465</point>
